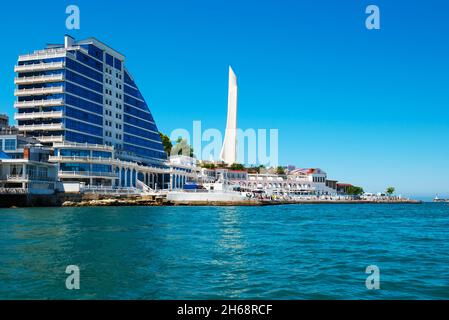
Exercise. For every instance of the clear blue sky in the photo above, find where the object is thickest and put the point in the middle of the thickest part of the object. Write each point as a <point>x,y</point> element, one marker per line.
<point>369,107</point>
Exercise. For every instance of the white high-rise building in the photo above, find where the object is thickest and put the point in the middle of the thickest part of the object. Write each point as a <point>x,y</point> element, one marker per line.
<point>229,150</point>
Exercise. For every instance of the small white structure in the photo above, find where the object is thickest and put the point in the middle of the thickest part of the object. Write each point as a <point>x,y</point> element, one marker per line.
<point>183,169</point>
<point>219,191</point>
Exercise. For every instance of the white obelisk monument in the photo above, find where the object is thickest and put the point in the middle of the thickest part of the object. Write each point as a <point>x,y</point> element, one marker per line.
<point>229,150</point>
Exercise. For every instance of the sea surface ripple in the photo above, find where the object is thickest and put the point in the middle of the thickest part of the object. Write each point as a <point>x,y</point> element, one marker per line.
<point>272,252</point>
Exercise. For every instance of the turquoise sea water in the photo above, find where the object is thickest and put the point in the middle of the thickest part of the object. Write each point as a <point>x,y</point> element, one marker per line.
<point>278,252</point>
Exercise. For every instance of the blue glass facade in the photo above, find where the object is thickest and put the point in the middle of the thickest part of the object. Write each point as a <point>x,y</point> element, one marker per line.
<point>97,102</point>
<point>141,135</point>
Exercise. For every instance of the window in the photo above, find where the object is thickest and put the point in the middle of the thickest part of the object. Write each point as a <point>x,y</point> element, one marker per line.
<point>95,52</point>
<point>81,138</point>
<point>118,64</point>
<point>10,144</point>
<point>74,167</point>
<point>83,104</point>
<point>85,82</point>
<point>101,154</point>
<point>89,61</point>
<point>1,144</point>
<point>83,127</point>
<point>84,93</point>
<point>75,66</point>
<point>74,152</point>
<point>109,60</point>
<point>81,115</point>
<point>101,168</point>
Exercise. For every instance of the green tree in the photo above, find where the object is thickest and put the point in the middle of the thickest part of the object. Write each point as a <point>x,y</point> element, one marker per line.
<point>182,148</point>
<point>355,191</point>
<point>390,191</point>
<point>280,170</point>
<point>237,166</point>
<point>255,169</point>
<point>208,165</point>
<point>166,143</point>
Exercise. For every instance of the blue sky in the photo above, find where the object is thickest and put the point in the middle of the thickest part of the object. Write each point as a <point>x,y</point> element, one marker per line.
<point>369,107</point>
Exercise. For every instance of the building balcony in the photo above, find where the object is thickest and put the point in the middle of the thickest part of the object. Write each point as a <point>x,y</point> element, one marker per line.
<point>39,79</point>
<point>38,115</point>
<point>27,178</point>
<point>39,103</point>
<point>44,54</point>
<point>78,159</point>
<point>13,191</point>
<point>39,67</point>
<point>38,91</point>
<point>42,127</point>
<point>50,139</point>
<point>85,146</point>
<point>85,174</point>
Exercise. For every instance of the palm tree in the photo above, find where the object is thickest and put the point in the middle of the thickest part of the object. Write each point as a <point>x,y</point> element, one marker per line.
<point>390,191</point>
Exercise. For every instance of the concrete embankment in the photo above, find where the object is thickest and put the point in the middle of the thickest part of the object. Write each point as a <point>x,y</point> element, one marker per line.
<point>91,200</point>
<point>243,203</point>
<point>267,202</point>
<point>402,201</point>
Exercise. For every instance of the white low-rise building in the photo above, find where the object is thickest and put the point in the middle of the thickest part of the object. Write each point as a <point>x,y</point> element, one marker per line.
<point>300,181</point>
<point>24,168</point>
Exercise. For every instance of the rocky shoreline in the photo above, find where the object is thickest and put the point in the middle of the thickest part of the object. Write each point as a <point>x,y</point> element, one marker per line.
<point>163,202</point>
<point>112,203</point>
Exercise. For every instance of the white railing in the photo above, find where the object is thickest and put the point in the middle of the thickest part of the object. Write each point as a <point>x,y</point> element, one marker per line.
<point>27,177</point>
<point>43,54</point>
<point>50,138</point>
<point>39,91</point>
<point>48,126</point>
<point>34,115</point>
<point>83,145</point>
<point>16,177</point>
<point>39,79</point>
<point>87,174</point>
<point>143,187</point>
<point>110,190</point>
<point>39,66</point>
<point>82,159</point>
<point>38,103</point>
<point>13,191</point>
